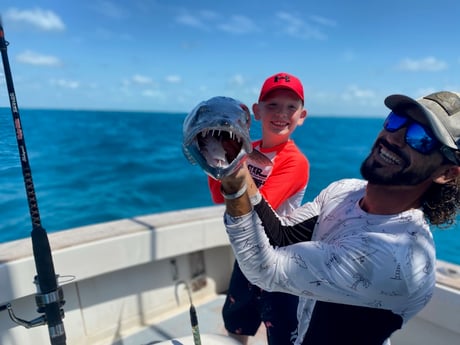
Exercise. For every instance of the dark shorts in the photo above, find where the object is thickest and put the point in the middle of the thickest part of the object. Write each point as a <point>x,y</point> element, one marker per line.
<point>246,306</point>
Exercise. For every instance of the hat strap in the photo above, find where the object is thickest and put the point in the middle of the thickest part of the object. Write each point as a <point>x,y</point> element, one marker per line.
<point>451,154</point>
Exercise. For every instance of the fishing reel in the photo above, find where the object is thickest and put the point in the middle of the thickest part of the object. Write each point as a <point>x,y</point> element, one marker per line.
<point>42,300</point>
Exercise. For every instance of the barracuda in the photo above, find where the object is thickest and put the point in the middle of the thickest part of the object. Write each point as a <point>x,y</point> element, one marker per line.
<point>216,136</point>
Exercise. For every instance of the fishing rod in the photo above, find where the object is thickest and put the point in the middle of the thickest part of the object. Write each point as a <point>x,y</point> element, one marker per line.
<point>192,313</point>
<point>49,298</point>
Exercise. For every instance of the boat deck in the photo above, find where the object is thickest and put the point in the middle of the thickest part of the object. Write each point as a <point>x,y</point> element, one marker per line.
<point>178,326</point>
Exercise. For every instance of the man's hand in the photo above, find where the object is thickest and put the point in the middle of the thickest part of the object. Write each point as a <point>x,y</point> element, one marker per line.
<point>236,182</point>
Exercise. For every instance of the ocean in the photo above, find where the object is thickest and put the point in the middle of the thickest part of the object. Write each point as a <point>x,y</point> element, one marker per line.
<point>98,166</point>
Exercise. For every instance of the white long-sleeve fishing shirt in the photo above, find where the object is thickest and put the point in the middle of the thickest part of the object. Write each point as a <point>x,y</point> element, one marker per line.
<point>354,258</point>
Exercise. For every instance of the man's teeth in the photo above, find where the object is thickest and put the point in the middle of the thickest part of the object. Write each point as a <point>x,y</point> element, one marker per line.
<point>389,157</point>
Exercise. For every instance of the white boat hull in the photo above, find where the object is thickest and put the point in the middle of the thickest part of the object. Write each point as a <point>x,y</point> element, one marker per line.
<point>121,278</point>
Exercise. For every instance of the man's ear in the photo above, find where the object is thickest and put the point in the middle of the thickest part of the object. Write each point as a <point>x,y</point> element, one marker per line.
<point>447,174</point>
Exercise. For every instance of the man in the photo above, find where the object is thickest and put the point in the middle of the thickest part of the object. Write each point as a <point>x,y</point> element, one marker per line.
<point>370,264</point>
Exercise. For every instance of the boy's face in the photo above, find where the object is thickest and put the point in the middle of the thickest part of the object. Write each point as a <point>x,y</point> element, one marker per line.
<point>280,113</point>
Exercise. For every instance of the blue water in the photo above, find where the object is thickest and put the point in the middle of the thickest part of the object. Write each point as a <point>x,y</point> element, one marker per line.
<point>92,166</point>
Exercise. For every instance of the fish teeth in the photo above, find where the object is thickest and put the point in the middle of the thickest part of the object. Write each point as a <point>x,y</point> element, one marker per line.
<point>218,132</point>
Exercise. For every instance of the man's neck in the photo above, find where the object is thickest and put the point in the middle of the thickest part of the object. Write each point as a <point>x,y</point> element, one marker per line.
<point>380,199</point>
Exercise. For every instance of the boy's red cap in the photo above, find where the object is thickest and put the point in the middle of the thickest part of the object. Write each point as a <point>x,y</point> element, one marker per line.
<point>282,81</point>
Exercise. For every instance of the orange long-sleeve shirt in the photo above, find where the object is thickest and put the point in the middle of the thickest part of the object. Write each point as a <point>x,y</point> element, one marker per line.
<point>285,185</point>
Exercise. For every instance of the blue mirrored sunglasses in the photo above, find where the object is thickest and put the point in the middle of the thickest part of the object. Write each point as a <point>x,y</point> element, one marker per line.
<point>417,136</point>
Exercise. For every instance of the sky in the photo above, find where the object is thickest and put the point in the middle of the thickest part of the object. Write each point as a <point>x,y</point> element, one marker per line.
<point>169,55</point>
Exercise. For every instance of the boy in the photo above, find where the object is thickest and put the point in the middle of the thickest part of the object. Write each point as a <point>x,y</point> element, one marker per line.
<point>280,109</point>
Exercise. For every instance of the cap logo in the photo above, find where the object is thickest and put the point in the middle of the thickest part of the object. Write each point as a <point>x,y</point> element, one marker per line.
<point>285,77</point>
<point>449,101</point>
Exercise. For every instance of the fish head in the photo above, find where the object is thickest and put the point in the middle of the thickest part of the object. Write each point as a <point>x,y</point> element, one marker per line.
<point>216,136</point>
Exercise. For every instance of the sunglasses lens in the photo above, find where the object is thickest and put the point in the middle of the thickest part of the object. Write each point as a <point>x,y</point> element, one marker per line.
<point>394,122</point>
<point>418,138</point>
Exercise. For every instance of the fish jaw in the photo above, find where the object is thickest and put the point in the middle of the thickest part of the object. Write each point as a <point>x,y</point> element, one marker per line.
<point>216,136</point>
<point>216,171</point>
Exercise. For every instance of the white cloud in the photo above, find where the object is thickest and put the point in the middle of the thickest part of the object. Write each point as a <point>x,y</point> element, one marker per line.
<point>323,21</point>
<point>356,94</point>
<point>173,79</point>
<point>238,25</point>
<point>428,64</point>
<point>237,80</point>
<point>153,94</point>
<point>43,19</point>
<point>141,79</point>
<point>296,27</point>
<point>67,84</point>
<point>207,14</point>
<point>32,58</point>
<point>190,20</point>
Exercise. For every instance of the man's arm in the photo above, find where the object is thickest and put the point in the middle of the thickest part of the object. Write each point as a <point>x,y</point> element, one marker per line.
<point>239,189</point>
<point>283,235</point>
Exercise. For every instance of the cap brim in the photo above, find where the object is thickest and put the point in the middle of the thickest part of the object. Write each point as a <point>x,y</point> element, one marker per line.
<point>280,87</point>
<point>400,101</point>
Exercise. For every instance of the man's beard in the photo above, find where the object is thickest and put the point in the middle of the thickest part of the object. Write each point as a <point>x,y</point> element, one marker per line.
<point>375,173</point>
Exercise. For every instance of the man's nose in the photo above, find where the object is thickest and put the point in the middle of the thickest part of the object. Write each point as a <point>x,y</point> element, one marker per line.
<point>398,137</point>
